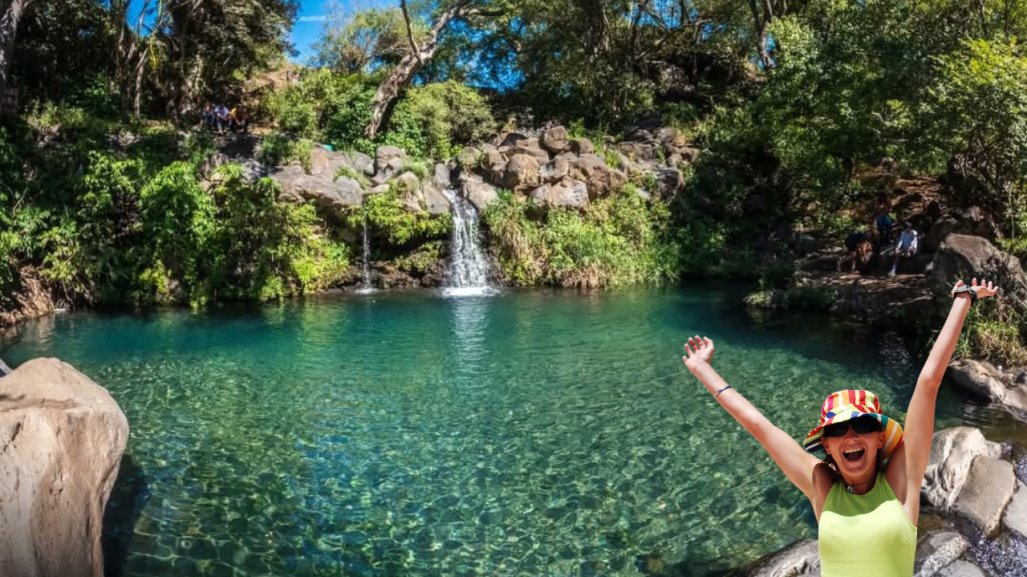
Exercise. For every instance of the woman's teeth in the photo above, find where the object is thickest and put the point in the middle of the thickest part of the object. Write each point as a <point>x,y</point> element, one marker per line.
<point>853,454</point>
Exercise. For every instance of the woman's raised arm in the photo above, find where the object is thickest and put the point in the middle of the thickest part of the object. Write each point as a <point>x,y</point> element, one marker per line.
<point>793,460</point>
<point>919,426</point>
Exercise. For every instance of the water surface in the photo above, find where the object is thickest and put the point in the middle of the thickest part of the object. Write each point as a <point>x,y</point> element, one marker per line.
<point>529,433</point>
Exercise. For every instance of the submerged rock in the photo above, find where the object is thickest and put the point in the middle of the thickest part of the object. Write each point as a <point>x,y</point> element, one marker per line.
<point>63,437</point>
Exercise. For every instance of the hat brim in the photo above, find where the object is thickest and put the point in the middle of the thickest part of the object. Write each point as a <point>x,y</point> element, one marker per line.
<point>892,431</point>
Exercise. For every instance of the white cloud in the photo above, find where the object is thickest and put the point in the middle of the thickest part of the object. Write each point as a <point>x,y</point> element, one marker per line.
<point>317,18</point>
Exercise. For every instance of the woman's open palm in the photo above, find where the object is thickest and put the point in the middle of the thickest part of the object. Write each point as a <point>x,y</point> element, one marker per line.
<point>698,350</point>
<point>983,289</point>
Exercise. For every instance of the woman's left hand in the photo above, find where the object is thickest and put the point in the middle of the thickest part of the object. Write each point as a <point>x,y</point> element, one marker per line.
<point>983,290</point>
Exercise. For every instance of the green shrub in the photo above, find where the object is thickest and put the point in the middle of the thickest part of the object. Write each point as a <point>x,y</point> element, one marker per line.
<point>619,241</point>
<point>178,221</point>
<point>263,249</point>
<point>436,120</point>
<point>387,217</point>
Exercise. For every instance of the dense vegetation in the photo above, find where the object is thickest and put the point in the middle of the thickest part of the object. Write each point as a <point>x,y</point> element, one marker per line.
<point>107,196</point>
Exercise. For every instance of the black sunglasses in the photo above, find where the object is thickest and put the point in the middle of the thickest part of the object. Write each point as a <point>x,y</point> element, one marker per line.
<point>862,426</point>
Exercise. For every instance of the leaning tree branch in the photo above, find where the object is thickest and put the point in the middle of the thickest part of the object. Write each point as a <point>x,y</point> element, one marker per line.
<point>410,33</point>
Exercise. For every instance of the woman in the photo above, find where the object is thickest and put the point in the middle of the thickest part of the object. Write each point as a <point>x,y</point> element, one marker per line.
<point>866,491</point>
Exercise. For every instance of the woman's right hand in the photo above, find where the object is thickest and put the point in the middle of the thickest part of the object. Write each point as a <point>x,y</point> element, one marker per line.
<point>698,350</point>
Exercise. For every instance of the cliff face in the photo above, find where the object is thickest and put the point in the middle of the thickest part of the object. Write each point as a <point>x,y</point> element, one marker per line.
<point>30,300</point>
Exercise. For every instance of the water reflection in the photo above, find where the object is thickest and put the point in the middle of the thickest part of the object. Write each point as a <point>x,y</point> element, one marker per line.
<point>468,330</point>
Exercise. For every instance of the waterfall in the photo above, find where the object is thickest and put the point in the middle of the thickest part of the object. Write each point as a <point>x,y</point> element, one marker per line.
<point>365,266</point>
<point>468,270</point>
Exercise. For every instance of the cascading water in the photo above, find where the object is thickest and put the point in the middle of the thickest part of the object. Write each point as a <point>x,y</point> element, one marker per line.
<point>468,270</point>
<point>365,266</point>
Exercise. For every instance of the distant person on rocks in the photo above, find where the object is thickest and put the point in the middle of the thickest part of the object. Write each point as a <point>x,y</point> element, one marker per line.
<point>907,245</point>
<point>858,250</point>
<point>207,116</point>
<point>884,223</point>
<point>221,118</point>
<point>865,492</point>
<point>239,119</point>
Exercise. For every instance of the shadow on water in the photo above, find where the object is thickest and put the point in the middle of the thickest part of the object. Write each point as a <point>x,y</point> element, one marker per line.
<point>128,498</point>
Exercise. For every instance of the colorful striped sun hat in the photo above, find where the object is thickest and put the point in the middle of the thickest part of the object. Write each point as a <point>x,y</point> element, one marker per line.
<point>850,404</point>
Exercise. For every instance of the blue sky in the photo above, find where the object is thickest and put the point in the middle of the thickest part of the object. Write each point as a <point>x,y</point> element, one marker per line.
<point>308,26</point>
<point>312,16</point>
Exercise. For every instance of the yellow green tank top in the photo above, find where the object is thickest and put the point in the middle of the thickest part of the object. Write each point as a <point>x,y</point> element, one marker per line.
<point>866,534</point>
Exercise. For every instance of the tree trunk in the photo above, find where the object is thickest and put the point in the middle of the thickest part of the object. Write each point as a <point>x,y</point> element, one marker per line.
<point>8,31</point>
<point>400,76</point>
<point>137,88</point>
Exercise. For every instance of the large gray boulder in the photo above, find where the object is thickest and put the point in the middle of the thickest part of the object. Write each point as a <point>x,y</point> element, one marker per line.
<point>983,380</point>
<point>593,171</point>
<point>63,437</point>
<point>555,169</point>
<point>361,162</point>
<point>480,194</point>
<point>668,181</point>
<point>555,139</point>
<point>521,172</point>
<point>988,489</point>
<point>965,257</point>
<point>327,162</point>
<point>800,559</point>
<point>334,197</point>
<point>971,221</point>
<point>952,454</point>
<point>582,146</point>
<point>568,193</point>
<point>529,148</point>
<point>385,155</point>
<point>435,200</point>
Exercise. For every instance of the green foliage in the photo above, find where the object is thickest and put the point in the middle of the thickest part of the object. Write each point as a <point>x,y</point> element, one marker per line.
<point>277,149</point>
<point>325,106</point>
<point>436,120</point>
<point>199,146</point>
<point>369,39</point>
<point>981,117</point>
<point>621,241</point>
<point>178,220</point>
<point>418,168</point>
<point>418,261</point>
<point>388,219</point>
<point>263,249</point>
<point>993,333</point>
<point>91,252</point>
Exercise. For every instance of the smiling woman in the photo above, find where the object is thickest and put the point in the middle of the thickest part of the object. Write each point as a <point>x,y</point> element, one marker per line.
<point>866,491</point>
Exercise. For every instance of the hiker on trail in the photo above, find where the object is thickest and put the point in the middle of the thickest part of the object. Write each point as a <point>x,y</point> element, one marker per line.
<point>858,250</point>
<point>865,492</point>
<point>907,246</point>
